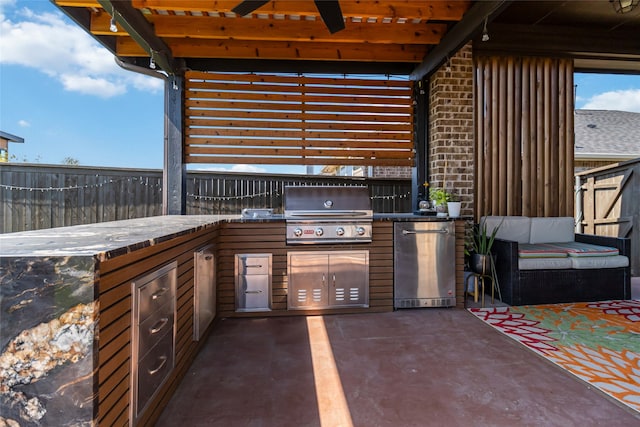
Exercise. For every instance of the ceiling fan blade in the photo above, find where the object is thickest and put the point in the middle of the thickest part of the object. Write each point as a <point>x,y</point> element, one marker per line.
<point>247,6</point>
<point>331,14</point>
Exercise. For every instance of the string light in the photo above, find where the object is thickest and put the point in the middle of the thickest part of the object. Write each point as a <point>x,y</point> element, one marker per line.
<point>485,33</point>
<point>142,180</point>
<point>112,26</point>
<point>145,181</point>
<point>392,197</point>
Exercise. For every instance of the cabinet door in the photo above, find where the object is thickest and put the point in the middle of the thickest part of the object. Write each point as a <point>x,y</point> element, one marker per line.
<point>308,280</point>
<point>349,279</point>
<point>253,282</point>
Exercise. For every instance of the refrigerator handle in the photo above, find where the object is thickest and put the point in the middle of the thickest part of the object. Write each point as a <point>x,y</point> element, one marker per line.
<point>441,231</point>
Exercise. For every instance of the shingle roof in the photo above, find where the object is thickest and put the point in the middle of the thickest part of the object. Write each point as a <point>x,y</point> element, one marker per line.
<point>606,133</point>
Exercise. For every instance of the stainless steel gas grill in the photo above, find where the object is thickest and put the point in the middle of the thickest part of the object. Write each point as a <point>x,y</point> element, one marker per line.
<point>327,214</point>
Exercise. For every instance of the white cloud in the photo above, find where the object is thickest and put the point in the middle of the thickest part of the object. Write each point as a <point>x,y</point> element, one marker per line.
<point>62,50</point>
<point>92,86</point>
<point>247,168</point>
<point>23,123</point>
<point>619,100</point>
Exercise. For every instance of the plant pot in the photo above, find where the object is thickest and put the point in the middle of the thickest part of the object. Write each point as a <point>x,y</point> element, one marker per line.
<point>441,210</point>
<point>481,264</point>
<point>454,209</point>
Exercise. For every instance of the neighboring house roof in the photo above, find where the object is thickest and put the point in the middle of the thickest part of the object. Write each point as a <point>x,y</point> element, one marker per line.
<point>11,138</point>
<point>606,135</point>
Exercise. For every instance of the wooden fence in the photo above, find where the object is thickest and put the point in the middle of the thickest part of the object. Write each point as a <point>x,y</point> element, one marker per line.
<point>43,196</point>
<point>610,204</point>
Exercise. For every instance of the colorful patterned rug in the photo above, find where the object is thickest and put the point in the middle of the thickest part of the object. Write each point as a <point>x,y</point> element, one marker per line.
<point>597,342</point>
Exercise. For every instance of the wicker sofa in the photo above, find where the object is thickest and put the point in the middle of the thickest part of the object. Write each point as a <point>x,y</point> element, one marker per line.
<point>542,261</point>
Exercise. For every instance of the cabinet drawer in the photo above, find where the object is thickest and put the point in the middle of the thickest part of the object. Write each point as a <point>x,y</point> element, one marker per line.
<point>154,328</point>
<point>154,295</point>
<point>253,293</point>
<point>153,369</point>
<point>253,264</point>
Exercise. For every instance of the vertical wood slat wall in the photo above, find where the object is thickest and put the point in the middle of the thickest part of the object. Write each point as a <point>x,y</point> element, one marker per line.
<point>298,120</point>
<point>524,136</point>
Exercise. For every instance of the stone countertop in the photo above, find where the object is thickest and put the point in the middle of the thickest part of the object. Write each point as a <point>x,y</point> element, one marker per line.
<point>110,239</point>
<point>382,216</point>
<point>104,240</point>
<point>409,216</point>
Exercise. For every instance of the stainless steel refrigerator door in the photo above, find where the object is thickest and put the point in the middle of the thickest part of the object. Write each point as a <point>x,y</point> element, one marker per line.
<point>424,264</point>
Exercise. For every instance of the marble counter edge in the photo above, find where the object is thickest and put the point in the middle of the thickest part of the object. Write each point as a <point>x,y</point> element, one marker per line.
<point>105,240</point>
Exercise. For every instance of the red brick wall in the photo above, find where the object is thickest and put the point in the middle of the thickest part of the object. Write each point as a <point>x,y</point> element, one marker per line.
<point>451,127</point>
<point>392,172</point>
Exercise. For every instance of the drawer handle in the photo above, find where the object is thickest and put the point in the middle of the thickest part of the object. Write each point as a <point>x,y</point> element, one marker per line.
<point>158,325</point>
<point>159,293</point>
<point>441,231</point>
<point>163,361</point>
<point>252,292</point>
<point>254,266</point>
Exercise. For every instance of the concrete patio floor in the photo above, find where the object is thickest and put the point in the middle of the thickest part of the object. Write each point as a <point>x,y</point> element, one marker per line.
<point>414,367</point>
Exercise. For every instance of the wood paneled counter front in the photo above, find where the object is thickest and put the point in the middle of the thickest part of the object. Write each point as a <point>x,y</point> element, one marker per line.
<point>66,309</point>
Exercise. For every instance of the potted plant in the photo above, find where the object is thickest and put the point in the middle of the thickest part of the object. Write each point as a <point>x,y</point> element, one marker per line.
<point>454,205</point>
<point>481,248</point>
<point>439,197</point>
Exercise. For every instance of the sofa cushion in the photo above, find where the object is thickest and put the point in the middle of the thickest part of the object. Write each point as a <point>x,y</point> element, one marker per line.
<point>514,228</point>
<point>599,262</point>
<point>544,263</point>
<point>542,250</point>
<point>578,249</point>
<point>551,229</point>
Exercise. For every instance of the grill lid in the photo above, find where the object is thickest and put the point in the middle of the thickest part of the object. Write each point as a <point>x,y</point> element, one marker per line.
<point>327,201</point>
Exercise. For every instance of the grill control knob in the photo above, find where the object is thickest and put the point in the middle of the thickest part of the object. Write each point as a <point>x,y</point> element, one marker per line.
<point>319,231</point>
<point>340,231</point>
<point>360,231</point>
<point>297,232</point>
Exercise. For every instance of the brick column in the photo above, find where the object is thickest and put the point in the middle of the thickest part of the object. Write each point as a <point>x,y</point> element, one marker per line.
<point>451,127</point>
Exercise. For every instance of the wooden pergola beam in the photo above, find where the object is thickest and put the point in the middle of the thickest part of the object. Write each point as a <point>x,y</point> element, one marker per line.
<point>142,32</point>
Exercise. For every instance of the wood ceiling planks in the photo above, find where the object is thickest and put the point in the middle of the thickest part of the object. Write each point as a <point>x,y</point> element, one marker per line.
<point>394,31</point>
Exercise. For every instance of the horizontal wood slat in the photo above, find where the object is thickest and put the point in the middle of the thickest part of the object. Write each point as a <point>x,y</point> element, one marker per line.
<point>432,10</point>
<point>307,125</point>
<point>272,49</point>
<point>299,120</point>
<point>214,28</point>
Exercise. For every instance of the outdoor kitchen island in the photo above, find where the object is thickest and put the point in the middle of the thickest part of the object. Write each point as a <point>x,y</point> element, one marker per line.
<point>70,329</point>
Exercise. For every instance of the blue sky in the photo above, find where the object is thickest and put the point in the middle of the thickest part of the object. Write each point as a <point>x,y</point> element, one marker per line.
<point>63,93</point>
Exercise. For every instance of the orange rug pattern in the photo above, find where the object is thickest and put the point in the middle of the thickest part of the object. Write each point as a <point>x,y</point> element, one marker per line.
<point>597,342</point>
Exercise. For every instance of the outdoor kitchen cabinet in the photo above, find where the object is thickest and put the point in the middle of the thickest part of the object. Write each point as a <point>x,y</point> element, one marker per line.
<point>325,279</point>
<point>152,335</point>
<point>78,286</point>
<point>253,282</point>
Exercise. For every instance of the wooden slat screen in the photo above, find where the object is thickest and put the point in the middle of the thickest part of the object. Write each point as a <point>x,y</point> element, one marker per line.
<point>524,136</point>
<point>298,120</point>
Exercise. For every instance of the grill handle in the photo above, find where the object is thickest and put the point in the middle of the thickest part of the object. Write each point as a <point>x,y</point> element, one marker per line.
<point>441,231</point>
<point>316,214</point>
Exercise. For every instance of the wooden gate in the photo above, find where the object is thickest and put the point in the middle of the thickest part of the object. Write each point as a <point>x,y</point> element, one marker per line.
<point>611,204</point>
